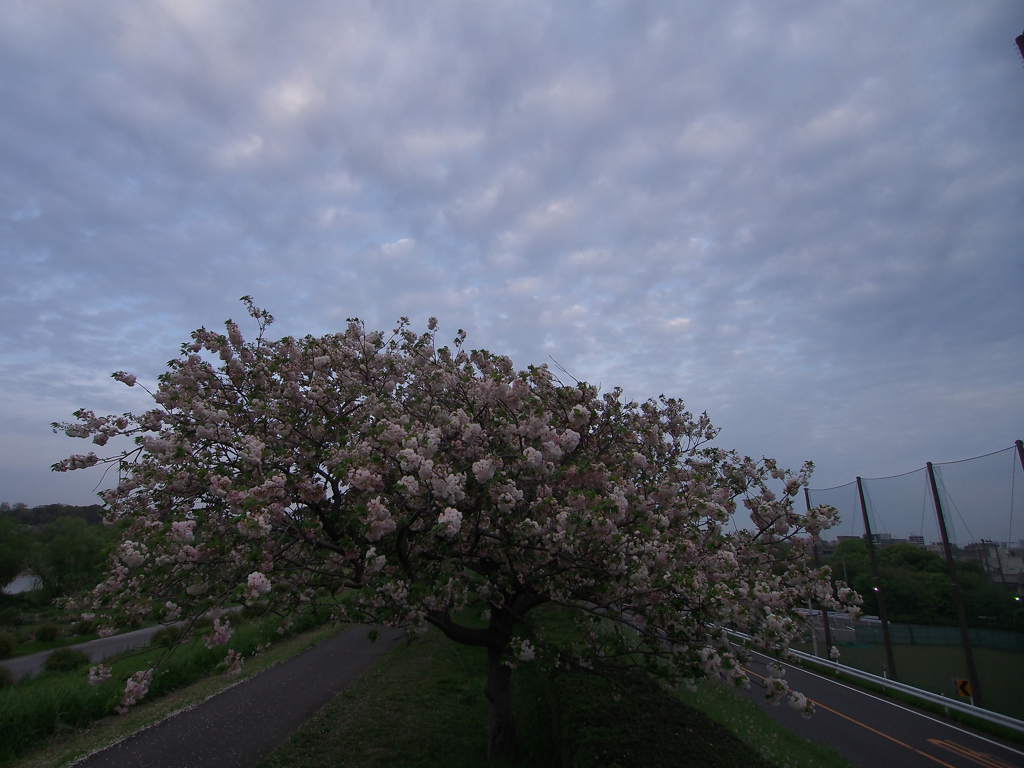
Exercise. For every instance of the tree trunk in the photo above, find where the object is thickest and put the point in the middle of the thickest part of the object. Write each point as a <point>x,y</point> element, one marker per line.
<point>501,724</point>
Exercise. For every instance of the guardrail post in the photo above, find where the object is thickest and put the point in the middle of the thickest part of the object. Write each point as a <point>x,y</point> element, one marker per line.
<point>869,539</point>
<point>961,614</point>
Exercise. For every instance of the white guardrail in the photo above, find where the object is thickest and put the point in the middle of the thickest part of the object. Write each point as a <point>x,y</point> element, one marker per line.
<point>884,682</point>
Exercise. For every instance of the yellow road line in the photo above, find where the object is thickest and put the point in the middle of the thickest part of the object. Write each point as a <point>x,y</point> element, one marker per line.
<point>981,758</point>
<point>868,727</point>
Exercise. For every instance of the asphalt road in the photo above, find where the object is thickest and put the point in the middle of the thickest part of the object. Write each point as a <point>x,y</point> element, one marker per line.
<point>873,732</point>
<point>97,650</point>
<point>243,724</point>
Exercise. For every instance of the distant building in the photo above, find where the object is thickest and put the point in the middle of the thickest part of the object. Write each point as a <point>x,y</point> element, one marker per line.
<point>826,548</point>
<point>1004,564</point>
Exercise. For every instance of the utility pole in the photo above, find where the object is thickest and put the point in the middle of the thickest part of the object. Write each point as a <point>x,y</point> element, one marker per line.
<point>870,541</point>
<point>961,614</point>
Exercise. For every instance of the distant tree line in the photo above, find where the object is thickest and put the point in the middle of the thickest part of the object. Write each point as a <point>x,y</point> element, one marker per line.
<point>48,513</point>
<point>66,546</point>
<point>916,588</point>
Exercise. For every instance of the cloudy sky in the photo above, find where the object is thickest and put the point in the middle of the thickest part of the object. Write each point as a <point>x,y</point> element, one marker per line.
<point>805,219</point>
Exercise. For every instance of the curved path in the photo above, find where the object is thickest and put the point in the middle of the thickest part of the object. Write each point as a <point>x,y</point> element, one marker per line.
<point>96,650</point>
<point>871,731</point>
<point>243,724</point>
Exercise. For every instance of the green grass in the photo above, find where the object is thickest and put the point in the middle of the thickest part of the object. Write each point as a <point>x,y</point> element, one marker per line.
<point>772,741</point>
<point>422,705</point>
<point>419,705</point>
<point>631,721</point>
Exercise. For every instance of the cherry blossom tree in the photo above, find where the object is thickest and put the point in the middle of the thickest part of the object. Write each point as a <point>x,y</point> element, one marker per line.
<point>406,484</point>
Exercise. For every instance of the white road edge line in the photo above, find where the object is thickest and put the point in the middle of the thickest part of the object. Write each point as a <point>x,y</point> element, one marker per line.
<point>893,704</point>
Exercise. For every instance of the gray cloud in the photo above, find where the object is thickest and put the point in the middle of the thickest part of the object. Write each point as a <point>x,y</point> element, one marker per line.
<point>804,220</point>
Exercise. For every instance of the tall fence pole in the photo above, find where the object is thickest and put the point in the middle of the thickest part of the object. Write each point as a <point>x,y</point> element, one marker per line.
<point>817,564</point>
<point>1020,455</point>
<point>870,541</point>
<point>961,614</point>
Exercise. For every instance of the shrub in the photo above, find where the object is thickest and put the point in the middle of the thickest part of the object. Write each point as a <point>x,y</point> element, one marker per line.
<point>6,677</point>
<point>83,627</point>
<point>47,633</point>
<point>167,636</point>
<point>7,644</point>
<point>253,612</point>
<point>66,660</point>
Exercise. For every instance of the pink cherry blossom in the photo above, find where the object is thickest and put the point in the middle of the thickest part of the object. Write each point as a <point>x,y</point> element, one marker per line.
<point>258,584</point>
<point>135,688</point>
<point>483,470</point>
<point>220,633</point>
<point>234,661</point>
<point>183,530</point>
<point>451,520</point>
<point>99,674</point>
<point>427,483</point>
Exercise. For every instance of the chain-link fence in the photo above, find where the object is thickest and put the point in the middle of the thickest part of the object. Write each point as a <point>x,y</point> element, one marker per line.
<point>937,554</point>
<point>982,505</point>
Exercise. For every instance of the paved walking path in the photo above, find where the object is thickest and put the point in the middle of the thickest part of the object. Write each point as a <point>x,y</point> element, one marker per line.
<point>96,650</point>
<point>242,725</point>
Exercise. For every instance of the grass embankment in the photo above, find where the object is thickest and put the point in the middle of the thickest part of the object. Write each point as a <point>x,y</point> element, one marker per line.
<point>422,705</point>
<point>56,717</point>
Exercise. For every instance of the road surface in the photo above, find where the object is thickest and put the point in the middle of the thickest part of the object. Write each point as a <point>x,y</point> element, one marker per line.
<point>872,732</point>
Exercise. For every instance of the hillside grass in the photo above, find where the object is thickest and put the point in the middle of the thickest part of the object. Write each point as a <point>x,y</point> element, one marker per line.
<point>422,706</point>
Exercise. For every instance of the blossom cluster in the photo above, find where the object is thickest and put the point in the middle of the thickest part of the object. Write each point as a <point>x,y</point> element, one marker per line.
<point>135,689</point>
<point>220,634</point>
<point>99,674</point>
<point>233,661</point>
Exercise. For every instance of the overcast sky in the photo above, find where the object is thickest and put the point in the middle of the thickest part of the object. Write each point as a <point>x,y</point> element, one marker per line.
<point>805,219</point>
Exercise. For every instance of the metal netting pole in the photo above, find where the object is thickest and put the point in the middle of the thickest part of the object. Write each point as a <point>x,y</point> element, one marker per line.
<point>1020,455</point>
<point>870,540</point>
<point>817,564</point>
<point>961,614</point>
